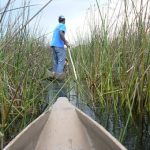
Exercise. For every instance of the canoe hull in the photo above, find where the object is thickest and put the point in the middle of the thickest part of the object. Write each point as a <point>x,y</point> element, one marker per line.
<point>64,127</point>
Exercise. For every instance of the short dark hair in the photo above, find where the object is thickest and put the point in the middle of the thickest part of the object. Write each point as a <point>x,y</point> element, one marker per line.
<point>61,18</point>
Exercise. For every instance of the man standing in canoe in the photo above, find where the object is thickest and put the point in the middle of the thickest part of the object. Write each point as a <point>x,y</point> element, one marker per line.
<point>57,45</point>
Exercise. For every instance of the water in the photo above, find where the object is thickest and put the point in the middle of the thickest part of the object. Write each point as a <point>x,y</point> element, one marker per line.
<point>137,136</point>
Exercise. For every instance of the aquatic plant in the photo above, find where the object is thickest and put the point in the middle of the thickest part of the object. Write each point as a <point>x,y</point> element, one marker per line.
<point>23,62</point>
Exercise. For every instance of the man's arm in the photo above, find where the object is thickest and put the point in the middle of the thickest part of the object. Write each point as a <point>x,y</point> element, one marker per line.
<point>62,35</point>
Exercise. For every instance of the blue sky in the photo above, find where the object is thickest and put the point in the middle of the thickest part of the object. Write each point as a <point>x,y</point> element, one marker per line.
<point>73,10</point>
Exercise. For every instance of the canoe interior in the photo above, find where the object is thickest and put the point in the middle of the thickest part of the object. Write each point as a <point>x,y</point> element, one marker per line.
<point>64,127</point>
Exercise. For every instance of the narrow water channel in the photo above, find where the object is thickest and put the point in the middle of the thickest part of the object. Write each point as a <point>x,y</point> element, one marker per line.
<point>137,135</point>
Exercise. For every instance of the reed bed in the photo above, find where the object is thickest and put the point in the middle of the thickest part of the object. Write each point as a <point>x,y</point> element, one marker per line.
<point>24,57</point>
<point>117,66</point>
<point>113,63</point>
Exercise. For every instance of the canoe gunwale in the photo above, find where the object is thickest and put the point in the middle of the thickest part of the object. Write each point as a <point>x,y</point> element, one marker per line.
<point>20,136</point>
<point>97,128</point>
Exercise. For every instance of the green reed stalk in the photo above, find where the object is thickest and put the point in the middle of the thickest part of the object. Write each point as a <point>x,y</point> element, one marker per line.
<point>23,61</point>
<point>113,64</point>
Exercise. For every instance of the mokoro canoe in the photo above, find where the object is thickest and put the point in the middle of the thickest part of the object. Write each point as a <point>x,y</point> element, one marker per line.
<point>64,127</point>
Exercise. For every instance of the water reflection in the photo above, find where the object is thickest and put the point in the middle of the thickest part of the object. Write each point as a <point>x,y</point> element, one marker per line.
<point>60,88</point>
<point>57,88</point>
<point>137,134</point>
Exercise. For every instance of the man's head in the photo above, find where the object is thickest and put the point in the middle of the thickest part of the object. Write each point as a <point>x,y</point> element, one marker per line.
<point>61,19</point>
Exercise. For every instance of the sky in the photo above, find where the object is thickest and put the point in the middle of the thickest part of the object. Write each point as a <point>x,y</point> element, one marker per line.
<point>75,12</point>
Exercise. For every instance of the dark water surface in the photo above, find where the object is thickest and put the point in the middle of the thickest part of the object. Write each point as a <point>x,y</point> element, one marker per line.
<point>137,135</point>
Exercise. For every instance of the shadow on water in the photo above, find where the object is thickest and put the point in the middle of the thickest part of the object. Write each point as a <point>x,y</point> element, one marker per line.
<point>137,135</point>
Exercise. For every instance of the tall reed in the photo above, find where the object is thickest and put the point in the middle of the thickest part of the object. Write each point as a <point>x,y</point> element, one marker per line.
<point>114,62</point>
<point>24,57</point>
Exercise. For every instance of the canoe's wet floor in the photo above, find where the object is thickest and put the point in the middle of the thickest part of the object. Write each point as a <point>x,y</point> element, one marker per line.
<point>137,136</point>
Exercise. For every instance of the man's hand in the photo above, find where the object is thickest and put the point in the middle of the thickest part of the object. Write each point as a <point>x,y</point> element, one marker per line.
<point>67,44</point>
